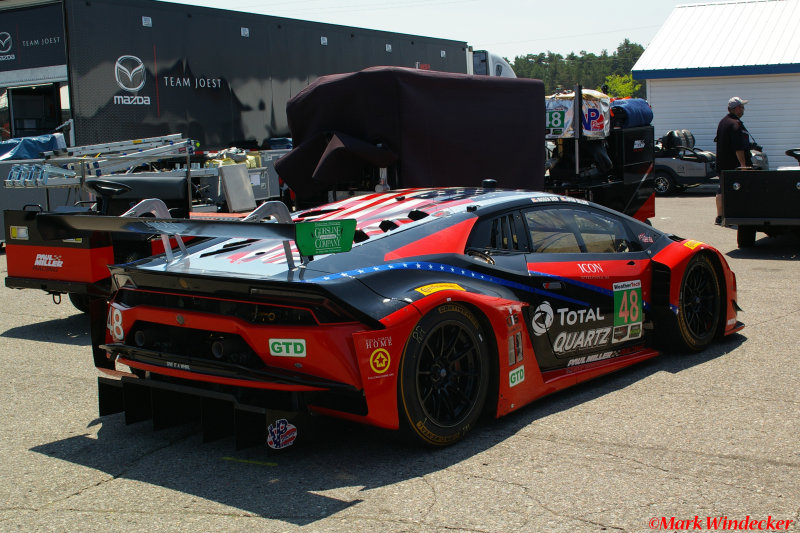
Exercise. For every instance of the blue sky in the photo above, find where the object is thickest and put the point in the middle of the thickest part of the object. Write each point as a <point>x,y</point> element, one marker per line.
<point>507,27</point>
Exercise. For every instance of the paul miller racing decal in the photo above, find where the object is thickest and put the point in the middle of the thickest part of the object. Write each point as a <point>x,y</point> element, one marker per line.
<point>48,262</point>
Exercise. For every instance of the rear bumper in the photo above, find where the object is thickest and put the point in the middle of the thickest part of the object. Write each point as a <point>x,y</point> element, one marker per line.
<point>100,289</point>
<point>219,414</point>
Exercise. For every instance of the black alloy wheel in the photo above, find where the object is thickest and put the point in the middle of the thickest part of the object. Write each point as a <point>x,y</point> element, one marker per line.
<point>444,375</point>
<point>700,309</point>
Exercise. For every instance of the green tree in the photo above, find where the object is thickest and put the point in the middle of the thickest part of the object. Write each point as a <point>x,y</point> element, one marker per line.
<point>586,69</point>
<point>622,86</point>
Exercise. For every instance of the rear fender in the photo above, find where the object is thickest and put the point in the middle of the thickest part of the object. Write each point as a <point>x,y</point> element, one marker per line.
<point>516,379</point>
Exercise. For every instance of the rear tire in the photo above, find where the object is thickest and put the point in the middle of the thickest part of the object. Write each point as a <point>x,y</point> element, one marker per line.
<point>444,376</point>
<point>746,236</point>
<point>664,183</point>
<point>700,305</point>
<point>80,301</point>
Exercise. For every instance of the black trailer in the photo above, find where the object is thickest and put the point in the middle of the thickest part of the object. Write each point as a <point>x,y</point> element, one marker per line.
<point>765,201</point>
<point>127,69</point>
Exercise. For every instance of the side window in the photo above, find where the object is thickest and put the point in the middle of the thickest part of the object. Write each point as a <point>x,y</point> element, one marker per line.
<point>552,231</point>
<point>502,234</point>
<point>603,234</point>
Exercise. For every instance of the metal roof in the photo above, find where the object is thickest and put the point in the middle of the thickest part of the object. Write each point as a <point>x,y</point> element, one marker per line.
<point>725,39</point>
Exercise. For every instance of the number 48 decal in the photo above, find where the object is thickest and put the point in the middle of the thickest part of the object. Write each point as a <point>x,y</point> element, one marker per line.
<point>627,302</point>
<point>114,323</point>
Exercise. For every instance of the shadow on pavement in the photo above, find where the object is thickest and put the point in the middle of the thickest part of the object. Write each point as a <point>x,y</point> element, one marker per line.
<point>72,330</point>
<point>782,247</point>
<point>344,456</point>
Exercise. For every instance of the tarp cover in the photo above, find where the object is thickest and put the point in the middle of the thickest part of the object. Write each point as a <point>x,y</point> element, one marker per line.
<point>31,147</point>
<point>439,129</point>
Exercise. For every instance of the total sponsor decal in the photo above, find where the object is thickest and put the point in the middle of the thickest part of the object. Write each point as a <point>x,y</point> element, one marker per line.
<point>287,347</point>
<point>281,434</point>
<point>543,317</point>
<point>47,262</point>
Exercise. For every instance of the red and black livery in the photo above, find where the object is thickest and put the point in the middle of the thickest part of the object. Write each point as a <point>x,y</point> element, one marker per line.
<point>451,303</point>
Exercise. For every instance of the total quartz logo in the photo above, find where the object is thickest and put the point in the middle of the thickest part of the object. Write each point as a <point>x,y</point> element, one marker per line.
<point>542,319</point>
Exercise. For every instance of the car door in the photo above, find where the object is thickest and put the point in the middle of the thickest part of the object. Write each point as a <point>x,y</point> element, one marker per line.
<point>591,276</point>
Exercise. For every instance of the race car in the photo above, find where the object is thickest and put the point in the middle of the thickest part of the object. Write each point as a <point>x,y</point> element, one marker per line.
<point>416,310</point>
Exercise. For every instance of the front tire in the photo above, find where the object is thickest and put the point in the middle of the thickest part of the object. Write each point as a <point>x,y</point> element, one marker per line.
<point>700,309</point>
<point>444,376</point>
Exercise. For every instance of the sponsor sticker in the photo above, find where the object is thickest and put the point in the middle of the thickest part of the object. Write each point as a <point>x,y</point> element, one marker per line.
<point>516,376</point>
<point>19,233</point>
<point>692,244</point>
<point>281,434</point>
<point>49,262</point>
<point>515,348</point>
<point>379,361</point>
<point>542,319</point>
<point>570,341</point>
<point>114,323</point>
<point>436,287</point>
<point>628,314</point>
<point>577,361</point>
<point>287,347</point>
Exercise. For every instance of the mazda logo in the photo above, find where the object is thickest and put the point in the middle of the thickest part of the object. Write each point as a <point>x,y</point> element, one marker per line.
<point>129,72</point>
<point>5,42</point>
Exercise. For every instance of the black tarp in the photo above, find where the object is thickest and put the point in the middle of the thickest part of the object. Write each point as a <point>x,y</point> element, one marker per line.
<point>437,129</point>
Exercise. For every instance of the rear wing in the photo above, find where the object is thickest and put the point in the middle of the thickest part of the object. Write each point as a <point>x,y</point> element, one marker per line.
<point>311,238</point>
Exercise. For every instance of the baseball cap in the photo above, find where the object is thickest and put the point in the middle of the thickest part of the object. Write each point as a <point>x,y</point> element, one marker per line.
<point>736,102</point>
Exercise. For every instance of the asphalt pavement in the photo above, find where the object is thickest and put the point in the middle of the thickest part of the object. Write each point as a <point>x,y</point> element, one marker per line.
<point>708,440</point>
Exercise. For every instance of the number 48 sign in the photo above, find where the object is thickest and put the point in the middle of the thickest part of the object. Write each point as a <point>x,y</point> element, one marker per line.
<point>555,119</point>
<point>627,302</point>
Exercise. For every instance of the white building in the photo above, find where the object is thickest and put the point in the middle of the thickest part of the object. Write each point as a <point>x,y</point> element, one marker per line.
<point>706,53</point>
